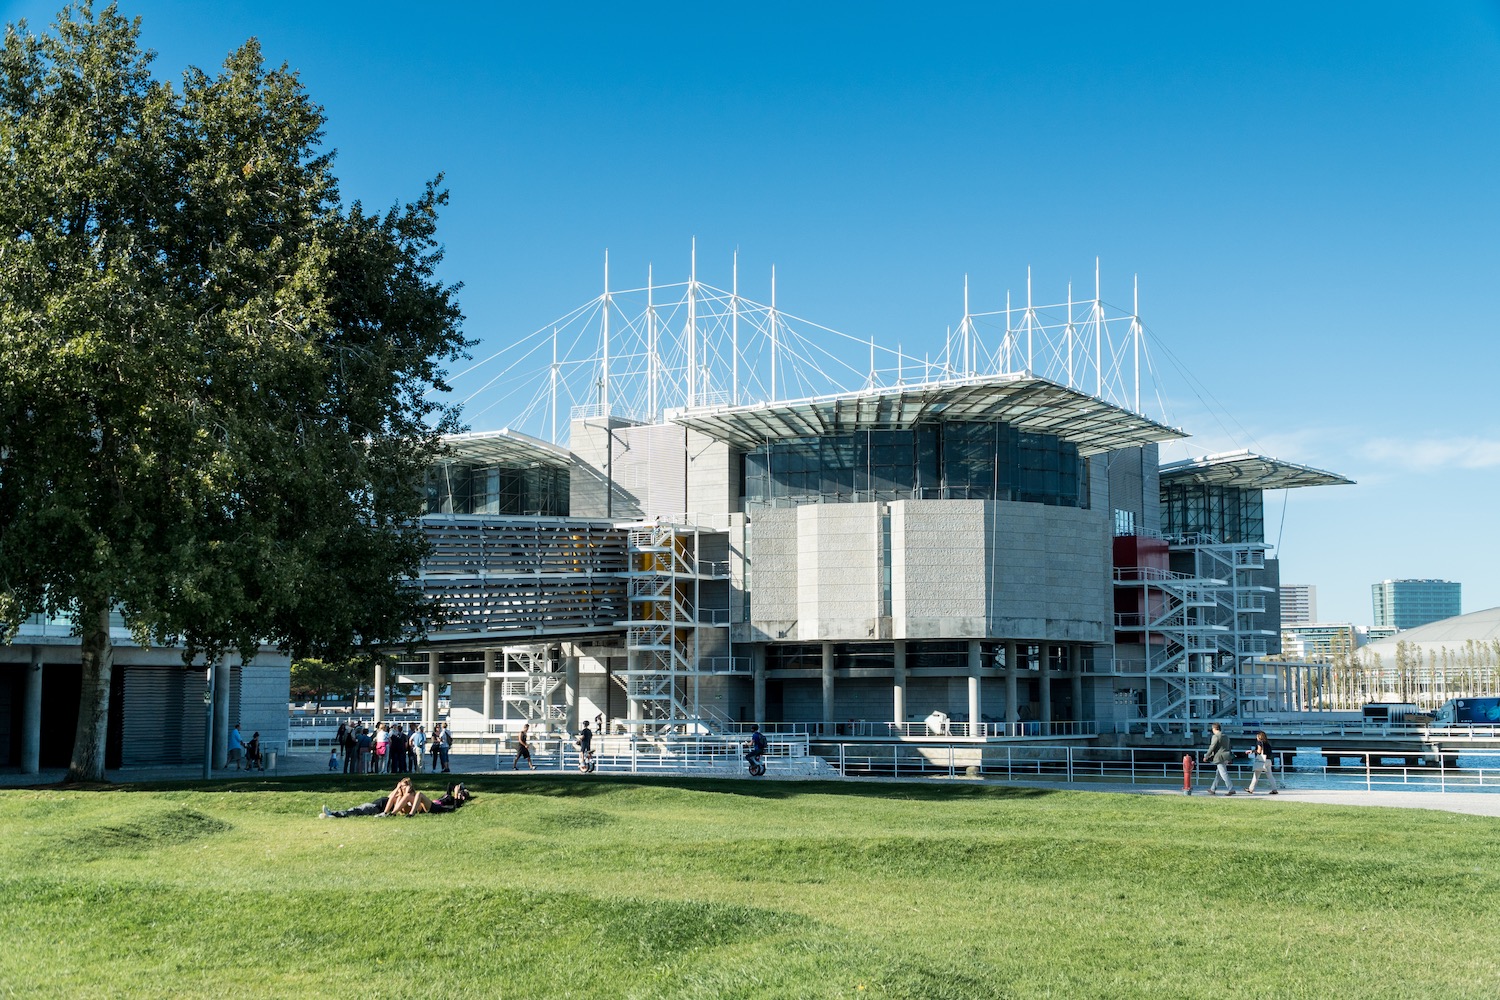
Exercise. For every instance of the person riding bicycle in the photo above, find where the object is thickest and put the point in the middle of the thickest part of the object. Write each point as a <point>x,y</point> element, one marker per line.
<point>756,752</point>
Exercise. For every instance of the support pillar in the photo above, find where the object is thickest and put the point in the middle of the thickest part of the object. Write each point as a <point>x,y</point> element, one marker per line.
<point>1044,684</point>
<point>1075,654</point>
<point>758,681</point>
<point>31,716</point>
<point>221,719</point>
<point>489,688</point>
<point>1012,711</point>
<point>570,690</point>
<point>379,690</point>
<point>633,711</point>
<point>827,682</point>
<point>430,689</point>
<point>898,684</point>
<point>976,721</point>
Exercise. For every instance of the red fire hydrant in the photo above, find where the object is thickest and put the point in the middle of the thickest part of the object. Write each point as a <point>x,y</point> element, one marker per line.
<point>1187,774</point>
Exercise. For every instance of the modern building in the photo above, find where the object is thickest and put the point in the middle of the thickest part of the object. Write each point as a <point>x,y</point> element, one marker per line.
<point>157,709</point>
<point>1319,642</point>
<point>999,550</point>
<point>1409,603</point>
<point>1454,658</point>
<point>1299,604</point>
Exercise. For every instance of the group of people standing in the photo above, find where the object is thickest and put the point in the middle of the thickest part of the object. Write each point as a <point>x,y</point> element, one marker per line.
<point>392,749</point>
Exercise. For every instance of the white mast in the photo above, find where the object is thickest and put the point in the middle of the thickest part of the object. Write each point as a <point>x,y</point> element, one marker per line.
<point>553,380</point>
<point>968,358</point>
<point>1135,339</point>
<point>773,333</point>
<point>692,330</point>
<point>1098,335</point>
<point>604,379</point>
<point>1030,316</point>
<point>652,362</point>
<point>734,334</point>
<point>1068,335</point>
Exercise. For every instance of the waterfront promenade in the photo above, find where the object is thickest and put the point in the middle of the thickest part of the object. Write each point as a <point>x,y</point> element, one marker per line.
<point>305,764</point>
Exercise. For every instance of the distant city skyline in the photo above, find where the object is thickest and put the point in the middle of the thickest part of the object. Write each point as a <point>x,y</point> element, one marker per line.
<point>1306,195</point>
<point>1409,603</point>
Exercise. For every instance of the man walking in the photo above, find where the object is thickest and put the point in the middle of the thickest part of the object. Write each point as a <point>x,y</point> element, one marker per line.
<point>1219,754</point>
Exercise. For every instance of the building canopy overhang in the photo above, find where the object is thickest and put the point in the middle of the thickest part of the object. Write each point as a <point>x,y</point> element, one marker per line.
<point>1026,402</point>
<point>1248,470</point>
<point>505,447</point>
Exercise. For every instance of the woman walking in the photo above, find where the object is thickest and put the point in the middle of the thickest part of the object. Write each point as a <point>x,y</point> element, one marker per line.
<point>1262,763</point>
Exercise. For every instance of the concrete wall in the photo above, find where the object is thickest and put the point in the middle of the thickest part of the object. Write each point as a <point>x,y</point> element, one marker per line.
<point>838,571</point>
<point>771,572</point>
<point>713,475</point>
<point>977,568</point>
<point>647,464</point>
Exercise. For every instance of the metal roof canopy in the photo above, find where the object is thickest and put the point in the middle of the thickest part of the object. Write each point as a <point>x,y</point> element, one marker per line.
<point>1248,470</point>
<point>505,447</point>
<point>1024,401</point>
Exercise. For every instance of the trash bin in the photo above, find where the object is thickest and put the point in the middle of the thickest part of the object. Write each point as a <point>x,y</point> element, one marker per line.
<point>270,760</point>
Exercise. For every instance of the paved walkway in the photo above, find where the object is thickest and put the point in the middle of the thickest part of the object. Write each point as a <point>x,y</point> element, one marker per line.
<point>1472,803</point>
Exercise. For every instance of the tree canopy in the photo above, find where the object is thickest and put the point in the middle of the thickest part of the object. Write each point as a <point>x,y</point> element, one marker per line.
<point>216,398</point>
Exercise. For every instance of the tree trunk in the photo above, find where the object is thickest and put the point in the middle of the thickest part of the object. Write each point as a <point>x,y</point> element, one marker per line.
<point>93,700</point>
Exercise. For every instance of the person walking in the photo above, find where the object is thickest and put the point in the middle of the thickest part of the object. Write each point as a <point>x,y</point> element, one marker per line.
<point>1219,754</point>
<point>523,748</point>
<point>236,747</point>
<point>1262,763</point>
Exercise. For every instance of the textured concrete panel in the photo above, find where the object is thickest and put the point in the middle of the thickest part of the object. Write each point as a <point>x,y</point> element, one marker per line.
<point>838,571</point>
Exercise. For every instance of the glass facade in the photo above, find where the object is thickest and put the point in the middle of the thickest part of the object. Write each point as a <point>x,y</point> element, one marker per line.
<point>947,461</point>
<point>1226,514</point>
<point>457,488</point>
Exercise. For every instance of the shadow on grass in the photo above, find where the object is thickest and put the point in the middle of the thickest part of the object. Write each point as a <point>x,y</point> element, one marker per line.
<point>576,786</point>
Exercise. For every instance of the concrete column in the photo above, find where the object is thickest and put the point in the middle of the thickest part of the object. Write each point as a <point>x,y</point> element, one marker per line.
<point>898,685</point>
<point>827,682</point>
<point>975,719</point>
<point>570,690</point>
<point>489,688</point>
<point>758,680</point>
<point>31,716</point>
<point>633,707</point>
<point>1012,714</point>
<point>430,689</point>
<point>1044,684</point>
<point>379,690</point>
<point>221,717</point>
<point>1075,655</point>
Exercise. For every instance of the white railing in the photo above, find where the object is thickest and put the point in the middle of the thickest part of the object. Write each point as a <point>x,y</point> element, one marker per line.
<point>924,730</point>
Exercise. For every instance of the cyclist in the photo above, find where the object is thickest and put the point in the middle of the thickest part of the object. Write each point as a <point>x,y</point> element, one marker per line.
<point>586,749</point>
<point>755,755</point>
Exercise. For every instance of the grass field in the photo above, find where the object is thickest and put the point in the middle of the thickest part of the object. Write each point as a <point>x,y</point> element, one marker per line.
<point>606,887</point>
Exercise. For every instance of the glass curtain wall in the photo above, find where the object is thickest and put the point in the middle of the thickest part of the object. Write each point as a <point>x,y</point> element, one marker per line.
<point>949,461</point>
<point>1227,514</point>
<point>456,488</point>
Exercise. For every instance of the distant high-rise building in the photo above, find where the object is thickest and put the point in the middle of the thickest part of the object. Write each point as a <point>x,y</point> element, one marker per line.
<point>1299,603</point>
<point>1409,603</point>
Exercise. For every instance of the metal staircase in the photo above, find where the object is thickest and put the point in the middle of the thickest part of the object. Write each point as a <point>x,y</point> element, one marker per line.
<point>662,635</point>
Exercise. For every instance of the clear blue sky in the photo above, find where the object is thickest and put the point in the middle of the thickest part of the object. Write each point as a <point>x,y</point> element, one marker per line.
<point>1308,193</point>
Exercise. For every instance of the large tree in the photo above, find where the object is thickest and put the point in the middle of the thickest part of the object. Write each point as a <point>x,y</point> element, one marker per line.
<point>216,379</point>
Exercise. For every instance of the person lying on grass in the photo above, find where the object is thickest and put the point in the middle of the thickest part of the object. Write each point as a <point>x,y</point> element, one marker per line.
<point>380,807</point>
<point>456,795</point>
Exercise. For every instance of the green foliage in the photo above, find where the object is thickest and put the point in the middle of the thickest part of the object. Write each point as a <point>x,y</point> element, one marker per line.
<point>612,886</point>
<point>316,679</point>
<point>214,407</point>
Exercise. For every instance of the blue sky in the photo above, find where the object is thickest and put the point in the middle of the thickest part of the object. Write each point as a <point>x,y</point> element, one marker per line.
<point>1307,193</point>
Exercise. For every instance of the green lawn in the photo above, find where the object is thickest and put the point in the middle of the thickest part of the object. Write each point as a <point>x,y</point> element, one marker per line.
<point>604,886</point>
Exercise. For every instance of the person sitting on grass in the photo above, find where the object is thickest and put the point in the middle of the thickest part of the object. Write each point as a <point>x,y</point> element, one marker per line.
<point>376,808</point>
<point>456,795</point>
<point>401,798</point>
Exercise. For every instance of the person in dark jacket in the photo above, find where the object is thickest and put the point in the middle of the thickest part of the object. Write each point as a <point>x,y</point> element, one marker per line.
<point>1219,754</point>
